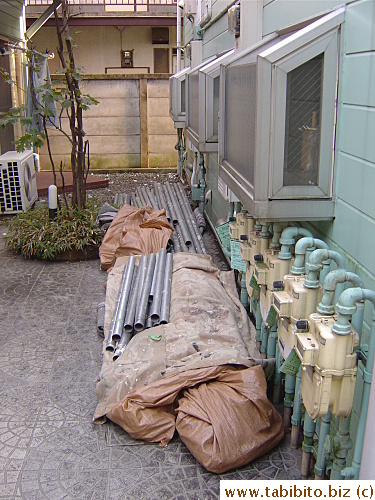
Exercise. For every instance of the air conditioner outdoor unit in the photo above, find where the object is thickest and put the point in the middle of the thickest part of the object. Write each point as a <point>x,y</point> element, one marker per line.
<point>18,190</point>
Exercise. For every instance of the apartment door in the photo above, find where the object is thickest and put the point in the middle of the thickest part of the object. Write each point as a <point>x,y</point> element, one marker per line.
<point>161,60</point>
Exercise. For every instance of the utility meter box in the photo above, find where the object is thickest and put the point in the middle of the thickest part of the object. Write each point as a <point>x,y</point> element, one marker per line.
<point>203,98</point>
<point>241,226</point>
<point>271,269</point>
<point>328,367</point>
<point>296,301</point>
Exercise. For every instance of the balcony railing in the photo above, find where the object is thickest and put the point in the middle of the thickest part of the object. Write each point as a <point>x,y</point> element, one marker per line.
<point>123,5</point>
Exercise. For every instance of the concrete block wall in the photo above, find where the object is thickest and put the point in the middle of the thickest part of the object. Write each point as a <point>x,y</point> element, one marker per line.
<point>130,128</point>
<point>162,136</point>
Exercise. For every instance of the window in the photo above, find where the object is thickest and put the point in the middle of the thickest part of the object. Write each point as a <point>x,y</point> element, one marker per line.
<point>203,103</point>
<point>278,108</point>
<point>160,35</point>
<point>177,107</point>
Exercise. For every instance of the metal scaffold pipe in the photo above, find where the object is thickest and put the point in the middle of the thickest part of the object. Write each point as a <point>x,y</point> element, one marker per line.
<point>154,312</point>
<point>141,311</point>
<point>111,343</point>
<point>176,243</point>
<point>121,346</point>
<point>163,201</point>
<point>190,219</point>
<point>130,312</point>
<point>171,208</point>
<point>166,293</point>
<point>180,238</point>
<point>123,300</point>
<point>141,197</point>
<point>152,198</point>
<point>180,217</point>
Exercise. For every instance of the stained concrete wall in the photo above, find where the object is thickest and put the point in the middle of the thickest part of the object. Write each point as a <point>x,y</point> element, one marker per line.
<point>130,128</point>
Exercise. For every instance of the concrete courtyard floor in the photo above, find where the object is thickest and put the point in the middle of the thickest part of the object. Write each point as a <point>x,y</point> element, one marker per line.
<point>50,357</point>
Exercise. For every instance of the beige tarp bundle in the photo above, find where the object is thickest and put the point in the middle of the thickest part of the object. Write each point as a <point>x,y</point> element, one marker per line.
<point>197,372</point>
<point>134,231</point>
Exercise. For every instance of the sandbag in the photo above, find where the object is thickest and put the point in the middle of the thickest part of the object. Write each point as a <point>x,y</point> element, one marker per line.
<point>228,422</point>
<point>134,231</point>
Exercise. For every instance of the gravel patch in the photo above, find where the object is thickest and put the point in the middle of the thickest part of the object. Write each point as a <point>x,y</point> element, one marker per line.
<point>127,182</point>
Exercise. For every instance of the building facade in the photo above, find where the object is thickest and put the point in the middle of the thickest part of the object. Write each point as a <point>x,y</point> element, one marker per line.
<point>294,118</point>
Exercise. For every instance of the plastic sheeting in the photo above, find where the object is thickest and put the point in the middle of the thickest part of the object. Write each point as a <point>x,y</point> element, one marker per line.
<point>205,344</point>
<point>134,231</point>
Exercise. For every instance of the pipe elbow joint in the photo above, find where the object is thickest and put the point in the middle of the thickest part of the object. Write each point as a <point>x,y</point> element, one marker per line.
<point>301,246</point>
<point>288,237</point>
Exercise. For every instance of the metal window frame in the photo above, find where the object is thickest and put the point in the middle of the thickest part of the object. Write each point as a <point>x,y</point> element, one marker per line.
<point>203,139</point>
<point>178,116</point>
<point>266,198</point>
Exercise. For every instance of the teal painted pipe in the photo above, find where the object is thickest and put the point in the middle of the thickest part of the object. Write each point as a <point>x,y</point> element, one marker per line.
<point>290,384</point>
<point>258,325</point>
<point>264,233</point>
<point>276,233</point>
<point>297,409</point>
<point>300,250</point>
<point>320,463</point>
<point>315,264</point>
<point>357,320</point>
<point>288,238</point>
<point>345,307</point>
<point>307,445</point>
<point>203,183</point>
<point>272,341</point>
<point>264,340</point>
<point>330,284</point>
<point>244,294</point>
<point>277,377</point>
<point>341,445</point>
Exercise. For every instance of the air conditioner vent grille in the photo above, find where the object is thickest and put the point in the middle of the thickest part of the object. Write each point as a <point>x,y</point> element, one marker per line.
<point>10,189</point>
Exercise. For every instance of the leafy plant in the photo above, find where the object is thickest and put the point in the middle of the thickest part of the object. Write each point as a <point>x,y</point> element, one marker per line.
<point>33,235</point>
<point>71,101</point>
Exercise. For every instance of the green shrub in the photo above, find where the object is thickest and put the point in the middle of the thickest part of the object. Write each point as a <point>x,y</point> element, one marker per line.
<point>33,235</point>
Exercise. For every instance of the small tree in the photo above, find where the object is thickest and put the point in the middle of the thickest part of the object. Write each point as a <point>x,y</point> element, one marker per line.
<point>66,94</point>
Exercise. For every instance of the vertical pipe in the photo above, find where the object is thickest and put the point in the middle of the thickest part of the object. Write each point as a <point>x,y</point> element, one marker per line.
<point>178,36</point>
<point>357,319</point>
<point>244,294</point>
<point>297,408</point>
<point>272,341</point>
<point>320,463</point>
<point>307,445</point>
<point>264,340</point>
<point>342,444</point>
<point>203,183</point>
<point>290,382</point>
<point>258,326</point>
<point>277,377</point>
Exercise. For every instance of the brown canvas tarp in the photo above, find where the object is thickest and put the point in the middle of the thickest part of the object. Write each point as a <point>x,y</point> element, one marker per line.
<point>134,231</point>
<point>203,350</point>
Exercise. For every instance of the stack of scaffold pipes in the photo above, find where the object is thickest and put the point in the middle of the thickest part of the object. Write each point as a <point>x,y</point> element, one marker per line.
<point>172,197</point>
<point>143,300</point>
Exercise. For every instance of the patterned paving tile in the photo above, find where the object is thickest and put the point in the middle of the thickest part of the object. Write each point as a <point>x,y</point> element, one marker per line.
<point>50,357</point>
